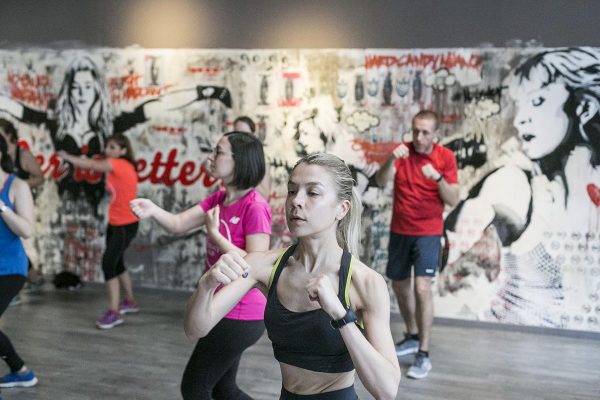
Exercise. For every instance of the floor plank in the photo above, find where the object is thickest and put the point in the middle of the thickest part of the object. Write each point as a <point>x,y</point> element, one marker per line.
<point>144,358</point>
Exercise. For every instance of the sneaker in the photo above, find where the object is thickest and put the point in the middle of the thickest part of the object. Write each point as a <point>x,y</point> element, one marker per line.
<point>20,379</point>
<point>420,367</point>
<point>129,306</point>
<point>35,286</point>
<point>407,346</point>
<point>15,300</point>
<point>109,320</point>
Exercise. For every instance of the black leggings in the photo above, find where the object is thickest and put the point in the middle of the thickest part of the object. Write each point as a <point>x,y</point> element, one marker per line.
<point>10,285</point>
<point>342,394</point>
<point>118,239</point>
<point>212,368</point>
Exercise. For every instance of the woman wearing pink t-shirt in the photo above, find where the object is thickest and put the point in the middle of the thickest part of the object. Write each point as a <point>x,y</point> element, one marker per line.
<point>121,183</point>
<point>238,219</point>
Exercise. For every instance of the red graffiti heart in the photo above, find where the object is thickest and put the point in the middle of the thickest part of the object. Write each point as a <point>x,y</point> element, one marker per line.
<point>594,193</point>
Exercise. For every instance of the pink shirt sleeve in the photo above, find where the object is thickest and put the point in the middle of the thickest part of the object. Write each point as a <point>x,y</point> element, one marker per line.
<point>257,219</point>
<point>212,200</point>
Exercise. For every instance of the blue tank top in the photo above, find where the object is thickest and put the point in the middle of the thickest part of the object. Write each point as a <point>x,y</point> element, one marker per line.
<point>13,260</point>
<point>306,339</point>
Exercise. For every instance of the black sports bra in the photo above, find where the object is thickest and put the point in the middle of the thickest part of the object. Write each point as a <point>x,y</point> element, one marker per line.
<point>306,339</point>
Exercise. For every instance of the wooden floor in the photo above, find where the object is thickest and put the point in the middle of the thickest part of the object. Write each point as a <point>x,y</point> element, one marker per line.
<point>144,358</point>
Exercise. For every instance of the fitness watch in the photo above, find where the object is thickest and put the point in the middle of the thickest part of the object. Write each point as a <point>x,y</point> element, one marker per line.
<point>348,318</point>
<point>440,178</point>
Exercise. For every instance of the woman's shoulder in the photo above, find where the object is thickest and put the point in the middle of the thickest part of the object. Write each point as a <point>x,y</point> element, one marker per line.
<point>263,262</point>
<point>213,199</point>
<point>367,282</point>
<point>254,197</point>
<point>120,166</point>
<point>265,258</point>
<point>121,162</point>
<point>254,201</point>
<point>18,182</point>
<point>19,186</point>
<point>363,274</point>
<point>366,277</point>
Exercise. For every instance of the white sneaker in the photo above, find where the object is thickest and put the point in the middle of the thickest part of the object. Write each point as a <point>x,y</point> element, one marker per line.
<point>420,367</point>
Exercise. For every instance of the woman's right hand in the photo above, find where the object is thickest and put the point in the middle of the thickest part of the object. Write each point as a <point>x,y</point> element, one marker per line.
<point>143,208</point>
<point>228,268</point>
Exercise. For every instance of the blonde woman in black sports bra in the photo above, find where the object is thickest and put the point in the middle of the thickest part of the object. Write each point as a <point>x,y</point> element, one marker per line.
<point>327,313</point>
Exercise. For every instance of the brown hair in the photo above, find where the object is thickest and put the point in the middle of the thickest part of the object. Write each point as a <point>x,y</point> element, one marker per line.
<point>428,114</point>
<point>123,142</point>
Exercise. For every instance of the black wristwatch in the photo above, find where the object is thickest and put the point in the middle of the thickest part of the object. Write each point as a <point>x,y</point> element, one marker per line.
<point>348,318</point>
<point>440,178</point>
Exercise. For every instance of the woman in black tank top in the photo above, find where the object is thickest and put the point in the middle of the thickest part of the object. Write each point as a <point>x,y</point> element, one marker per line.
<point>317,293</point>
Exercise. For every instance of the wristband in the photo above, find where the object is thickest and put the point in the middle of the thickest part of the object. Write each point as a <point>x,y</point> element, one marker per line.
<point>3,208</point>
<point>348,318</point>
<point>440,178</point>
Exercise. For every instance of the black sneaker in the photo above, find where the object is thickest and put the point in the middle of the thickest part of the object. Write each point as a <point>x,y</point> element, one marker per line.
<point>407,346</point>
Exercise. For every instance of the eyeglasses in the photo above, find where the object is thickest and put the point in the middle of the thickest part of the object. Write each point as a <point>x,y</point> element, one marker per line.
<point>217,151</point>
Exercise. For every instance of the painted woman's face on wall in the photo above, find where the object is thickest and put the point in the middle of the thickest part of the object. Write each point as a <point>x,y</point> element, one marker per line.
<point>540,119</point>
<point>83,92</point>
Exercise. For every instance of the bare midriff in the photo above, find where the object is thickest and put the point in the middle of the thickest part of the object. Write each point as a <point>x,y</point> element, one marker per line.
<point>302,381</point>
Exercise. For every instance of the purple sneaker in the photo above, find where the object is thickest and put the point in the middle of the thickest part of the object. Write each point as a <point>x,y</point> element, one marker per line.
<point>129,306</point>
<point>109,320</point>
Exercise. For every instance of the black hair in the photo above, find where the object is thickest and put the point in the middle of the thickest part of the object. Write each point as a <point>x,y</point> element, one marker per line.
<point>5,161</point>
<point>246,120</point>
<point>10,129</point>
<point>249,159</point>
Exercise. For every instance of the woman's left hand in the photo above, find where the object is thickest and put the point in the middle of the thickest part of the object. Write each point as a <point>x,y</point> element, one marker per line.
<point>321,289</point>
<point>213,221</point>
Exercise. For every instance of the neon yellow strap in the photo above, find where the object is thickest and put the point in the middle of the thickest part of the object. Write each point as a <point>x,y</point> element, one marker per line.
<point>360,323</point>
<point>348,279</point>
<point>275,266</point>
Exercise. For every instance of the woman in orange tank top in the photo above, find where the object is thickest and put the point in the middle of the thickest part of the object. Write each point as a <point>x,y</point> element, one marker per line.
<point>121,183</point>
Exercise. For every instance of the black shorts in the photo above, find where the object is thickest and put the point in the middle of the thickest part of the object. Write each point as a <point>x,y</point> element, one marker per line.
<point>404,251</point>
<point>118,238</point>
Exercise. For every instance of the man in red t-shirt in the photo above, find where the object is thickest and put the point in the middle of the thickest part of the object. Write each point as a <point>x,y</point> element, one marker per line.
<point>425,178</point>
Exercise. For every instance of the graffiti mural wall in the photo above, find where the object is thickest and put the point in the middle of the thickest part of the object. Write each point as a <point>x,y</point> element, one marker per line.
<point>522,247</point>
